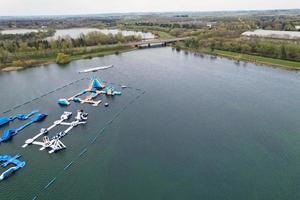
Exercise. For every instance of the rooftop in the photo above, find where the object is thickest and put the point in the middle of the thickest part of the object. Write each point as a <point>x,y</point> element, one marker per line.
<point>292,35</point>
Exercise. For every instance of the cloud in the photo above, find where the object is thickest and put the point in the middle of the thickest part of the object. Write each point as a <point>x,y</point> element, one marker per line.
<point>61,7</point>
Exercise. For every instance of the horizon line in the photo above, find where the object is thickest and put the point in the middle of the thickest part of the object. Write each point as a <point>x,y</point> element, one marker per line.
<point>151,12</point>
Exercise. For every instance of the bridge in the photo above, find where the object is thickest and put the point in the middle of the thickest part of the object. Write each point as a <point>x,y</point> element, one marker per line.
<point>156,42</point>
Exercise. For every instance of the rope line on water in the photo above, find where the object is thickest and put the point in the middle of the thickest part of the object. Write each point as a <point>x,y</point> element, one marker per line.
<point>55,90</point>
<point>69,165</point>
<point>86,148</point>
<point>50,183</point>
<point>42,96</point>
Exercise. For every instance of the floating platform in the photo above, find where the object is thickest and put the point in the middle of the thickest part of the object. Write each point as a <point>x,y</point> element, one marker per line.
<point>54,144</point>
<point>63,102</point>
<point>6,120</point>
<point>95,69</point>
<point>94,89</point>
<point>10,133</point>
<point>8,160</point>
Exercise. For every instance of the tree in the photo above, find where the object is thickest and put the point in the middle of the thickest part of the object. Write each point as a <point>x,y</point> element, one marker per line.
<point>3,56</point>
<point>283,53</point>
<point>63,58</point>
<point>53,44</point>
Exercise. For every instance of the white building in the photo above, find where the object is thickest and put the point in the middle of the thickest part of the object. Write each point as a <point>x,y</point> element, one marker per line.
<point>289,35</point>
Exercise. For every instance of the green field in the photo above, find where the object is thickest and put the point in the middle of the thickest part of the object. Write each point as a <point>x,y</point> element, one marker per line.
<point>293,65</point>
<point>258,59</point>
<point>163,35</point>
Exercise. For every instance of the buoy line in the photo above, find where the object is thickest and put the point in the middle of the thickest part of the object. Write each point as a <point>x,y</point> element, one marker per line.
<point>41,96</point>
<point>57,89</point>
<point>86,147</point>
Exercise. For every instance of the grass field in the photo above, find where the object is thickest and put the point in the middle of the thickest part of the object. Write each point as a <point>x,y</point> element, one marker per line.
<point>293,65</point>
<point>258,59</point>
<point>163,35</point>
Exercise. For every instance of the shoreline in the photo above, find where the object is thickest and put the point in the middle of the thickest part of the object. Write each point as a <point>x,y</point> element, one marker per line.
<point>260,60</point>
<point>52,60</point>
<point>254,59</point>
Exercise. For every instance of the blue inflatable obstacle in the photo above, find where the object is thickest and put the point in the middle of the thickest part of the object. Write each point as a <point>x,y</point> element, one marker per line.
<point>8,134</point>
<point>94,89</point>
<point>63,102</point>
<point>110,91</point>
<point>96,84</point>
<point>8,160</point>
<point>6,120</point>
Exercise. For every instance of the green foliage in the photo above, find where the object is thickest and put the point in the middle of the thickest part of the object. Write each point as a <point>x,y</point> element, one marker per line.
<point>17,63</point>
<point>283,52</point>
<point>289,50</point>
<point>259,59</point>
<point>62,58</point>
<point>34,46</point>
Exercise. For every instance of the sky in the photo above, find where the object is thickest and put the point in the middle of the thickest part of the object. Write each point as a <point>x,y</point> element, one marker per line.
<point>67,7</point>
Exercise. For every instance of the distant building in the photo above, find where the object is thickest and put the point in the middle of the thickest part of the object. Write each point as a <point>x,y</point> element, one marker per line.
<point>297,28</point>
<point>288,35</point>
<point>211,24</point>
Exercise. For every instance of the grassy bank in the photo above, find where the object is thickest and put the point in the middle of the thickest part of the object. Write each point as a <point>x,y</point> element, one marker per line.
<point>259,59</point>
<point>249,58</point>
<point>163,35</point>
<point>34,58</point>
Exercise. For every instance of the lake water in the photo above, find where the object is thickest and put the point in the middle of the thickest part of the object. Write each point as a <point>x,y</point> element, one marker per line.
<point>204,129</point>
<point>18,31</point>
<point>76,32</point>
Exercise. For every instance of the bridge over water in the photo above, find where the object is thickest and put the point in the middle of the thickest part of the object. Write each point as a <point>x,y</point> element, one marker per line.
<point>156,42</point>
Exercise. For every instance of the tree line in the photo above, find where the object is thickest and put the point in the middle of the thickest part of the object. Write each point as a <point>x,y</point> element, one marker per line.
<point>227,36</point>
<point>18,47</point>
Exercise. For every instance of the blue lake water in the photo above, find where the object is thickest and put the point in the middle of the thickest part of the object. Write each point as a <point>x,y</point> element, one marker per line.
<point>188,127</point>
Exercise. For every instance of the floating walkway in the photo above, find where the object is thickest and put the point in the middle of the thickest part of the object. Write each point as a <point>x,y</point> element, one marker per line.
<point>54,144</point>
<point>8,160</point>
<point>95,89</point>
<point>10,133</point>
<point>85,148</point>
<point>7,120</point>
<point>95,69</point>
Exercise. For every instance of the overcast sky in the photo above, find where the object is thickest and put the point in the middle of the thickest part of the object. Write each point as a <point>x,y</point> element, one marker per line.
<point>63,7</point>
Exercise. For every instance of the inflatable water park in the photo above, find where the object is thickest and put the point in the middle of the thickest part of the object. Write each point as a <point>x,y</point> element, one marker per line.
<point>10,133</point>
<point>95,89</point>
<point>53,143</point>
<point>95,69</point>
<point>7,160</point>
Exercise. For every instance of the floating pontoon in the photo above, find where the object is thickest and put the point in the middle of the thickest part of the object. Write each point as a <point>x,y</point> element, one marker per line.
<point>54,144</point>
<point>10,160</point>
<point>8,134</point>
<point>6,120</point>
<point>95,69</point>
<point>94,89</point>
<point>110,91</point>
<point>63,102</point>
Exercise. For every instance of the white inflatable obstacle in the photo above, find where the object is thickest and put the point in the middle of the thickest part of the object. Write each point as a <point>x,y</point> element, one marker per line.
<point>54,144</point>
